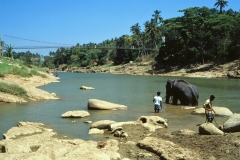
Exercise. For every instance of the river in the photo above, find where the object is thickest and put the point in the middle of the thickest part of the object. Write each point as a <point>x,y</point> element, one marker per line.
<point>136,92</point>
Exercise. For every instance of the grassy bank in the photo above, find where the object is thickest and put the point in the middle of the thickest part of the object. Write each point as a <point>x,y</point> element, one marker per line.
<point>16,67</point>
<point>12,89</point>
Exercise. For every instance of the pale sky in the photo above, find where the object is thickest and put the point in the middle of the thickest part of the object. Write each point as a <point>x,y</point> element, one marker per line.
<point>83,21</point>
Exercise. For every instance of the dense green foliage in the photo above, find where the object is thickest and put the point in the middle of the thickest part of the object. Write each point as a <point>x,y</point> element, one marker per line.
<point>200,35</point>
<point>12,89</point>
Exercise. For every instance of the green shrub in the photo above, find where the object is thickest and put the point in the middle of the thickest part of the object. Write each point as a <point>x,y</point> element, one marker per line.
<point>23,72</point>
<point>18,69</point>
<point>12,89</point>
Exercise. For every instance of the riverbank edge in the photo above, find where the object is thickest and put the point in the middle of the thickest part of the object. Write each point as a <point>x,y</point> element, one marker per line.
<point>208,70</point>
<point>29,84</point>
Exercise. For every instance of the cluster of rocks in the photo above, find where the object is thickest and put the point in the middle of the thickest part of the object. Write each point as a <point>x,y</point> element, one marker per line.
<point>30,140</point>
<point>233,74</point>
<point>150,122</point>
<point>231,125</point>
<point>34,141</point>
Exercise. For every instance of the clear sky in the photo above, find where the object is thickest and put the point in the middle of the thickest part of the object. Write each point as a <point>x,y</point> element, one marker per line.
<point>83,21</point>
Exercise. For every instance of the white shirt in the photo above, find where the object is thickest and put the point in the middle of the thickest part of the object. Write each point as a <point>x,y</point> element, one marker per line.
<point>157,100</point>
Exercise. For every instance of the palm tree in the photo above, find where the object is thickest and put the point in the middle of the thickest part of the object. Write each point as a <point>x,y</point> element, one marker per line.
<point>157,16</point>
<point>135,29</point>
<point>9,50</point>
<point>1,46</point>
<point>152,29</point>
<point>221,3</point>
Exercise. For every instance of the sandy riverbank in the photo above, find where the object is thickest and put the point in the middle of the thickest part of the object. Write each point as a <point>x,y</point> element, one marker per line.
<point>30,85</point>
<point>208,70</point>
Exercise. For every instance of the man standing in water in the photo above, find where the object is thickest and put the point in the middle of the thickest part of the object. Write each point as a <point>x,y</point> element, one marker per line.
<point>157,102</point>
<point>208,109</point>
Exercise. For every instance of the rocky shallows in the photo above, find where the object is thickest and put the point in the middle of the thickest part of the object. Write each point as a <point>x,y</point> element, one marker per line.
<point>143,139</point>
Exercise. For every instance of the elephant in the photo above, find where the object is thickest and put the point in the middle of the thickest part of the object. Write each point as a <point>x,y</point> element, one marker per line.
<point>183,91</point>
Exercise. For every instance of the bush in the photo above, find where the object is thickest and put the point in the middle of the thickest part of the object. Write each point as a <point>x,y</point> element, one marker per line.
<point>35,72</point>
<point>23,72</point>
<point>12,89</point>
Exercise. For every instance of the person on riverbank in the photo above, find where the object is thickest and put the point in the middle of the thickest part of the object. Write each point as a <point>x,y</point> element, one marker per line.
<point>157,102</point>
<point>208,109</point>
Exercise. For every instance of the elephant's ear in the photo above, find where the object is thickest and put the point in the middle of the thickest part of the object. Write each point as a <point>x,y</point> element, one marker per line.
<point>170,82</point>
<point>173,82</point>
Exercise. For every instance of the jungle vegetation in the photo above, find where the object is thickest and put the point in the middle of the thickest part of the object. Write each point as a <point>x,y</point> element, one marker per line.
<point>200,35</point>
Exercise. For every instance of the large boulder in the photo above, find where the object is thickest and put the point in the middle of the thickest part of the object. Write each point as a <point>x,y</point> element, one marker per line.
<point>153,122</point>
<point>102,124</point>
<point>150,122</point>
<point>116,125</point>
<point>167,149</point>
<point>104,105</point>
<point>95,131</point>
<point>232,124</point>
<point>46,145</point>
<point>220,111</point>
<point>23,129</point>
<point>209,129</point>
<point>75,114</point>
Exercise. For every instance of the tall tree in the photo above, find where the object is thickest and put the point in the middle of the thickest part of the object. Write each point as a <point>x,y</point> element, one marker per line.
<point>137,37</point>
<point>157,17</point>
<point>221,3</point>
<point>9,50</point>
<point>1,46</point>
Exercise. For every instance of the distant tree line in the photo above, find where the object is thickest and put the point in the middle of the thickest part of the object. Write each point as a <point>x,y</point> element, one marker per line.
<point>201,35</point>
<point>27,57</point>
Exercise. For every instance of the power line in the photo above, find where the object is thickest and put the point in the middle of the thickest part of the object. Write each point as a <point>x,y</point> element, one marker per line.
<point>33,40</point>
<point>119,48</point>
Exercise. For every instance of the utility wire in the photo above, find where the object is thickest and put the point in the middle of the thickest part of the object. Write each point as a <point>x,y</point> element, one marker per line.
<point>33,40</point>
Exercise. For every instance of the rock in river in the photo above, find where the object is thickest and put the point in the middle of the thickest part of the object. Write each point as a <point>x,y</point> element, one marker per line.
<point>104,105</point>
<point>75,114</point>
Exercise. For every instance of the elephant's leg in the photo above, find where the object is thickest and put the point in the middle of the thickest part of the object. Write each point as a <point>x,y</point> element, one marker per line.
<point>188,101</point>
<point>175,99</point>
<point>167,99</point>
